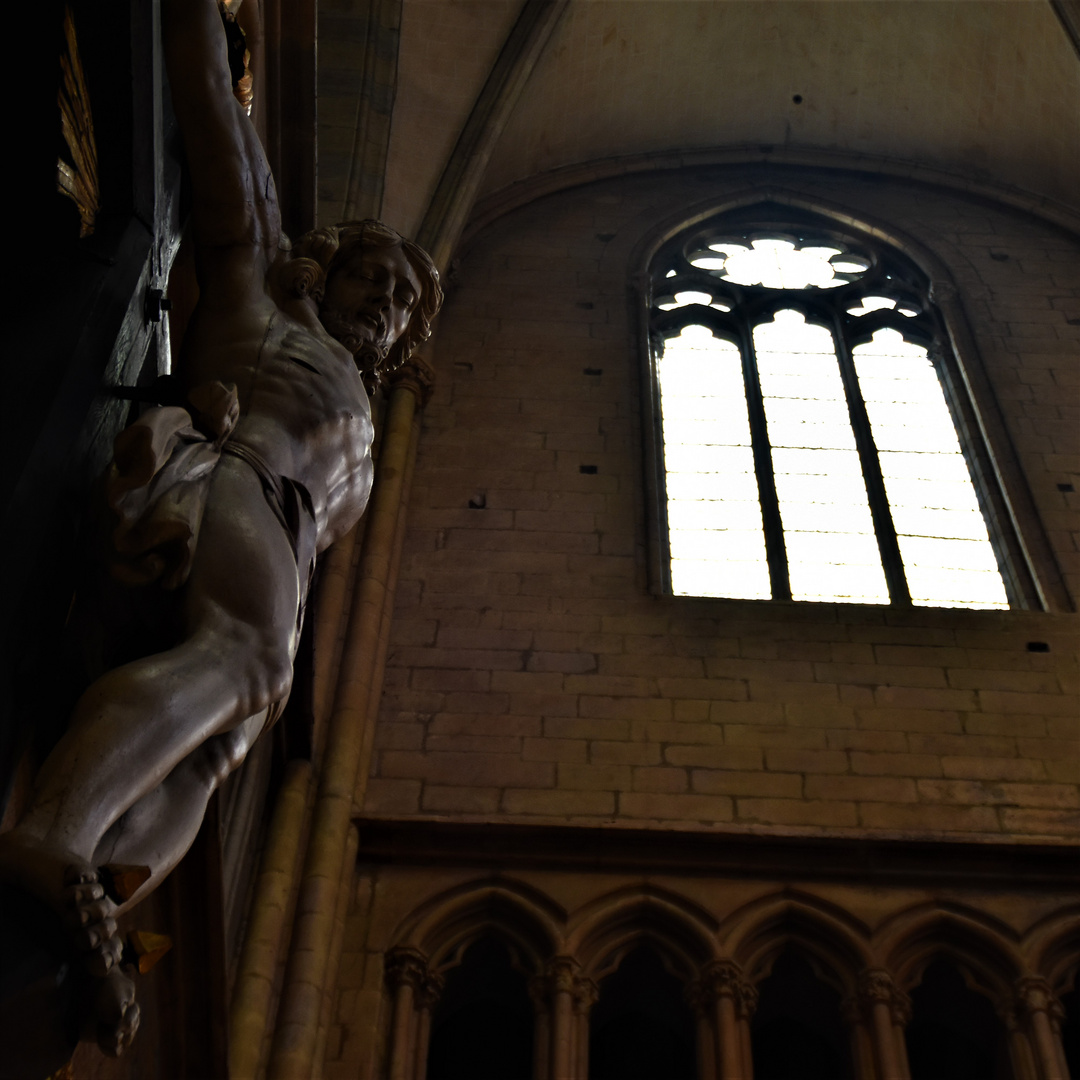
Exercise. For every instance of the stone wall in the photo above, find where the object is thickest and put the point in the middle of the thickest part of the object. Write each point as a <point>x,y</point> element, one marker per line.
<point>534,676</point>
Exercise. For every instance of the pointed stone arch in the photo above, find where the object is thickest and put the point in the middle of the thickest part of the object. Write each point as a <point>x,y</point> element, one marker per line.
<point>434,937</point>
<point>834,942</point>
<point>680,932</point>
<point>602,932</point>
<point>1052,949</point>
<point>525,918</point>
<point>987,954</point>
<point>984,949</point>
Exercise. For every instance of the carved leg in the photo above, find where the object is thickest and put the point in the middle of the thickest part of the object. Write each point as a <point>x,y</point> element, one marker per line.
<point>136,725</point>
<point>162,825</point>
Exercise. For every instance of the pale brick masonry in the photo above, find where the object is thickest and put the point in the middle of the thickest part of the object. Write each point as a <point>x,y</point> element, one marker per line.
<point>533,675</point>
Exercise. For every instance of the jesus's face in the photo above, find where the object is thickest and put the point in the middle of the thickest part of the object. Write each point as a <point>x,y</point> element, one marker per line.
<point>369,299</point>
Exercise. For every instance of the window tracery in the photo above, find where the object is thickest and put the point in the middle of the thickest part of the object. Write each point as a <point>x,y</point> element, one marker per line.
<point>810,451</point>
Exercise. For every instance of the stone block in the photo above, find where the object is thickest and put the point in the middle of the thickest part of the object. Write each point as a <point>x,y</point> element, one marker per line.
<point>659,806</point>
<point>593,777</point>
<point>870,764</point>
<point>747,782</point>
<point>862,788</point>
<point>624,753</point>
<point>816,761</point>
<point>797,812</point>
<point>923,818</point>
<point>463,800</point>
<point>560,803</point>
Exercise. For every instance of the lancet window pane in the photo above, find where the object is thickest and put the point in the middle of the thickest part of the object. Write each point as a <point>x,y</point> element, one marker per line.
<point>828,530</point>
<point>948,558</point>
<point>714,517</point>
<point>641,1027</point>
<point>482,1028</point>
<point>797,1031</point>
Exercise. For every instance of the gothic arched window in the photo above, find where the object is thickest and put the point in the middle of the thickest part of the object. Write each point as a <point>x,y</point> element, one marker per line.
<point>641,1024</point>
<point>482,1025</point>
<point>797,1028</point>
<point>810,449</point>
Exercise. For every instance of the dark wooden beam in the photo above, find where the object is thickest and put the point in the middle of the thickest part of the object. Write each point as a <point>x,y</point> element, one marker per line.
<point>289,35</point>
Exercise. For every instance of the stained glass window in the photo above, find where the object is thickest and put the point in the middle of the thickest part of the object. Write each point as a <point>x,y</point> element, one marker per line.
<point>809,448</point>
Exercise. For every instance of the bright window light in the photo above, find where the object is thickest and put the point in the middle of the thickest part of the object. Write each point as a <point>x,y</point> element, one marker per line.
<point>943,538</point>
<point>776,264</point>
<point>714,516</point>
<point>828,531</point>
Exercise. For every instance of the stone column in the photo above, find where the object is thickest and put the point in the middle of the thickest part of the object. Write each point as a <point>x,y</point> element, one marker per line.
<point>427,997</point>
<point>900,1008</point>
<point>1056,1014</point>
<point>406,974</point>
<point>1037,1005</point>
<point>1020,1051</point>
<point>699,1000</point>
<point>586,993</point>
<point>267,927</point>
<point>540,992</point>
<point>562,975</point>
<point>350,730</point>
<point>876,992</point>
<point>722,979</point>
<point>746,999</point>
<point>862,1050</point>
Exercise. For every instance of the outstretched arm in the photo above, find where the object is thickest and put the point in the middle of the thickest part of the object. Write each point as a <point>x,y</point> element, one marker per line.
<point>235,210</point>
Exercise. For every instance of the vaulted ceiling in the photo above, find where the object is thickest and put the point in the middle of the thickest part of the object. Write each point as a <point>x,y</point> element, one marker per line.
<point>985,90</point>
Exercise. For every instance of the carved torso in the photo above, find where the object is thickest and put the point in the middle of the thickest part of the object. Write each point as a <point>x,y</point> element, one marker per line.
<point>303,406</point>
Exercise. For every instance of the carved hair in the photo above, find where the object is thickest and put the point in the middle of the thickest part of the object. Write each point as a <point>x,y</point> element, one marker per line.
<point>319,252</point>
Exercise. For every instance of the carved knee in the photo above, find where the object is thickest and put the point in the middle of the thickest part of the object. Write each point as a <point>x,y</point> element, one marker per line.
<point>278,674</point>
<point>270,678</point>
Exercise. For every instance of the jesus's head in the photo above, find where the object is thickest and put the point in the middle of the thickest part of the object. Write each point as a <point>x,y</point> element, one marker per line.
<point>377,292</point>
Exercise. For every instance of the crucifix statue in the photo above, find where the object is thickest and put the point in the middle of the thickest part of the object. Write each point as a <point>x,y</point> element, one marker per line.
<point>228,501</point>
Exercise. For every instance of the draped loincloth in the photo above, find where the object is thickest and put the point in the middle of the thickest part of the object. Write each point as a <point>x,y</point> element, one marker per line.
<point>158,482</point>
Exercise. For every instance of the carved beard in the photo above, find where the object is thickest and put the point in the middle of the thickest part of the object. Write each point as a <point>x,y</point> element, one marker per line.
<point>368,357</point>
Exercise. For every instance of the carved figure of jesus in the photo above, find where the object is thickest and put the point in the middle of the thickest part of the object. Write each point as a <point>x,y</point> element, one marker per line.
<point>268,467</point>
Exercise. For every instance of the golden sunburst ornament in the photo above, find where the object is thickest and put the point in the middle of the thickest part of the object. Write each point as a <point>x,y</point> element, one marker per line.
<point>77,178</point>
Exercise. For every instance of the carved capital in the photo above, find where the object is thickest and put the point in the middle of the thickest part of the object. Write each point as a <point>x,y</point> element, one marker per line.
<point>1056,1012</point>
<point>586,994</point>
<point>876,986</point>
<point>562,975</point>
<point>417,375</point>
<point>722,978</point>
<point>427,996</point>
<point>900,1006</point>
<point>406,967</point>
<point>1034,994</point>
<point>746,999</point>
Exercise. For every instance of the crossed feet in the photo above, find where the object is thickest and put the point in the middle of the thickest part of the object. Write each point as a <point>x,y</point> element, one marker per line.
<point>87,899</point>
<point>89,910</point>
